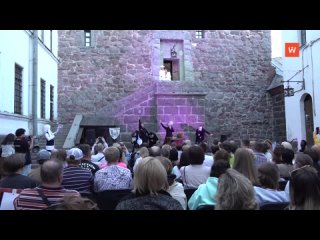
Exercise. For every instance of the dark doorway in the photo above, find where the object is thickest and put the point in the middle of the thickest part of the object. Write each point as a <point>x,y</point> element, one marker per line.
<point>90,134</point>
<point>172,65</point>
<point>308,110</point>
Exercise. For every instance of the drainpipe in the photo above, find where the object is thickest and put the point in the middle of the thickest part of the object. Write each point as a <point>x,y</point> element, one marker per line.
<point>35,82</point>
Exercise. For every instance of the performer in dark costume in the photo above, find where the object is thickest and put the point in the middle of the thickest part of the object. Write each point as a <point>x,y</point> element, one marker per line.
<point>200,134</point>
<point>153,139</point>
<point>169,130</point>
<point>143,133</point>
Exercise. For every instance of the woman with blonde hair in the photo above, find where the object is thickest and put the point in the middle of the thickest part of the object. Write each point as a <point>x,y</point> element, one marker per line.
<point>235,192</point>
<point>149,191</point>
<point>244,162</point>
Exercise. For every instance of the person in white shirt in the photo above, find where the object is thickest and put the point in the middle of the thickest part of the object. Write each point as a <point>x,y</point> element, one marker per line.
<point>50,136</point>
<point>162,73</point>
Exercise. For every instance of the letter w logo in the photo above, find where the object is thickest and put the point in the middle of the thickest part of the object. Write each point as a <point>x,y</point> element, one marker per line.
<point>292,50</point>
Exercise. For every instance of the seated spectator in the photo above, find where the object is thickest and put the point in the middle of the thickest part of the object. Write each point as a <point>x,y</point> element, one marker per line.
<point>244,163</point>
<point>277,154</point>
<point>144,152</point>
<point>112,177</point>
<point>74,176</point>
<point>286,166</point>
<point>301,160</point>
<point>149,192</point>
<point>226,145</point>
<point>99,158</point>
<point>222,154</point>
<point>155,151</point>
<point>208,158</point>
<point>7,145</point>
<point>174,157</point>
<point>175,189</point>
<point>43,155</point>
<point>259,151</point>
<point>305,189</point>
<point>86,160</point>
<point>165,150</point>
<point>268,174</point>
<point>315,158</point>
<point>74,203</point>
<point>287,145</point>
<point>205,194</point>
<point>184,161</point>
<point>60,155</point>
<point>12,167</point>
<point>195,174</point>
<point>268,153</point>
<point>235,192</point>
<point>50,192</point>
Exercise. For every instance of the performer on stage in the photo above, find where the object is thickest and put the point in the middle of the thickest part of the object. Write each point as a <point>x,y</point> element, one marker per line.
<point>169,130</point>
<point>50,136</point>
<point>143,133</point>
<point>200,133</point>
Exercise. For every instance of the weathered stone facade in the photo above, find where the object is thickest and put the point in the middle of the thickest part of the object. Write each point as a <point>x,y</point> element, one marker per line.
<point>223,80</point>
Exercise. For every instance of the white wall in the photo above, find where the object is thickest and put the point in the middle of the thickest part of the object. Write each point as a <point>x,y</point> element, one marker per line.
<point>16,47</point>
<point>295,119</point>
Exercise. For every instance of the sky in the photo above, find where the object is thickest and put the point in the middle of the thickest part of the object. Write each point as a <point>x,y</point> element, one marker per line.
<point>276,43</point>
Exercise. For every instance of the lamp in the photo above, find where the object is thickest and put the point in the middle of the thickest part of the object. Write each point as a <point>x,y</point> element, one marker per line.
<point>173,51</point>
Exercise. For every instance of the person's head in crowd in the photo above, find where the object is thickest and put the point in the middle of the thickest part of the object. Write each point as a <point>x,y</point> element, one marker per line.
<point>244,162</point>
<point>74,156</point>
<point>51,172</point>
<point>196,155</point>
<point>214,149</point>
<point>286,145</point>
<point>204,147</point>
<point>144,152</point>
<point>86,150</point>
<point>303,145</point>
<point>287,156</point>
<point>304,189</point>
<point>60,154</point>
<point>234,146</point>
<point>74,203</point>
<point>269,144</point>
<point>98,148</point>
<point>301,160</point>
<point>219,167</point>
<point>165,150</point>
<point>222,154</point>
<point>252,144</point>
<point>20,132</point>
<point>313,154</point>
<point>226,145</point>
<point>277,154</point>
<point>185,147</point>
<point>260,147</point>
<point>184,159</point>
<point>155,151</point>
<point>187,142</point>
<point>43,155</point>
<point>269,175</point>
<point>150,177</point>
<point>174,156</point>
<point>235,192</point>
<point>112,155</point>
<point>317,149</point>
<point>8,140</point>
<point>13,164</point>
<point>167,164</point>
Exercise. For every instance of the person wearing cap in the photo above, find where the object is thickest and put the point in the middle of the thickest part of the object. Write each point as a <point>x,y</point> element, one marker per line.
<point>74,176</point>
<point>169,130</point>
<point>42,156</point>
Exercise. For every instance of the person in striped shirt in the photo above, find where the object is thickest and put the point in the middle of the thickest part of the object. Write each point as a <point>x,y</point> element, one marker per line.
<point>50,192</point>
<point>74,176</point>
